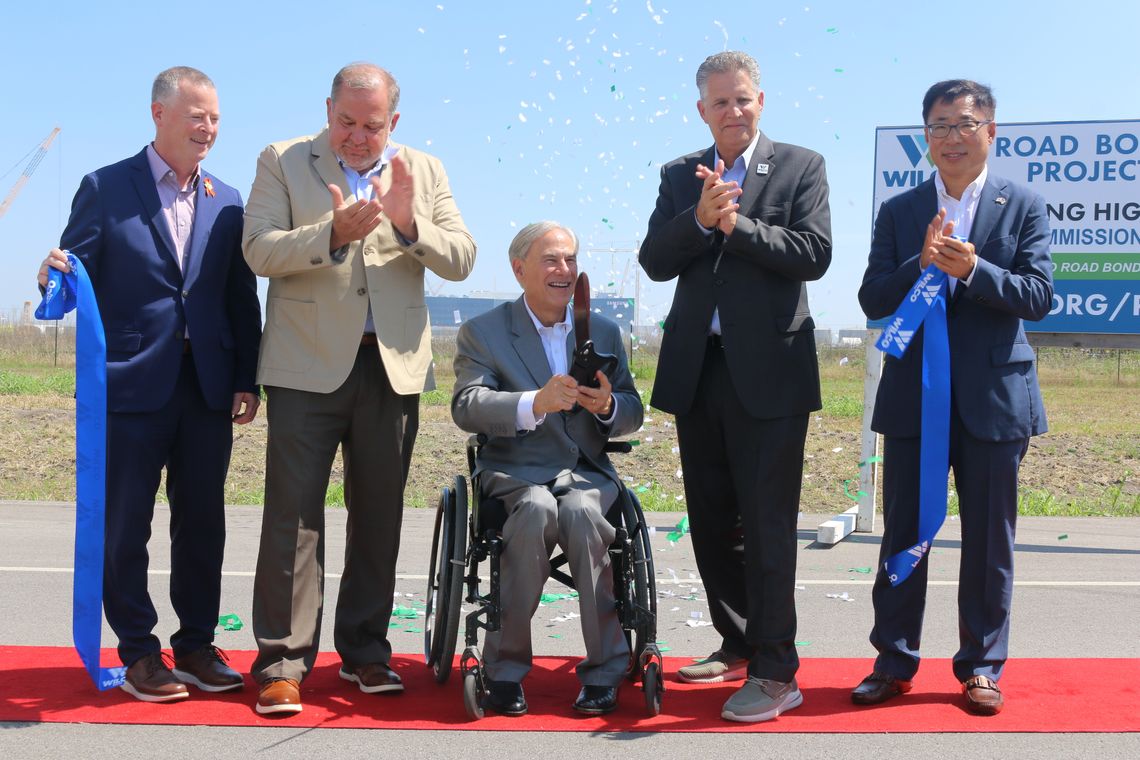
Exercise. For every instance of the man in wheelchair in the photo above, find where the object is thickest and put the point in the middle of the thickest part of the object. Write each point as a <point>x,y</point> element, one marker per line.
<point>544,460</point>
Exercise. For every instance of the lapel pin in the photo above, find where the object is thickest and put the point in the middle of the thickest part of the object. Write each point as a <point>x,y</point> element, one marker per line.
<point>209,187</point>
<point>1000,200</point>
<point>761,168</point>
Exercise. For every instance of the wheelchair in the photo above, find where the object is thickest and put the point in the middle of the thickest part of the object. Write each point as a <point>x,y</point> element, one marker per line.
<point>458,549</point>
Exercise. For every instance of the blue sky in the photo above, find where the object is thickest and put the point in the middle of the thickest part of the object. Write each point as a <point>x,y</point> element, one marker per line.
<point>562,110</point>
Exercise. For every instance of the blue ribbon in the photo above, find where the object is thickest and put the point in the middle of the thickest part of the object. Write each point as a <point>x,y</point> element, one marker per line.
<point>925,303</point>
<point>63,293</point>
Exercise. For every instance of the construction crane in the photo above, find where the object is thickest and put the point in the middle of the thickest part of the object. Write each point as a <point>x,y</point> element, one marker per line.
<point>38,156</point>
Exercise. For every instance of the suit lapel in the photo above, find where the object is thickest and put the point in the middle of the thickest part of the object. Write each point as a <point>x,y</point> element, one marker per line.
<point>989,212</point>
<point>528,345</point>
<point>206,209</point>
<point>754,183</point>
<point>923,207</point>
<point>152,206</point>
<point>326,164</point>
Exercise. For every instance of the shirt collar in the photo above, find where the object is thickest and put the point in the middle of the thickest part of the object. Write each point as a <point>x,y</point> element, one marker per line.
<point>973,189</point>
<point>159,169</point>
<point>564,324</point>
<point>746,155</point>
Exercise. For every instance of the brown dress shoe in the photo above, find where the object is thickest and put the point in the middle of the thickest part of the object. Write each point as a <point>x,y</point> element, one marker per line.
<point>878,688</point>
<point>373,678</point>
<point>150,680</point>
<point>279,696</point>
<point>983,697</point>
<point>206,668</point>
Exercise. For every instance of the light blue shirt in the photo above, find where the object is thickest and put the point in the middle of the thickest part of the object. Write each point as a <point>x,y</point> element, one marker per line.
<point>360,185</point>
<point>735,173</point>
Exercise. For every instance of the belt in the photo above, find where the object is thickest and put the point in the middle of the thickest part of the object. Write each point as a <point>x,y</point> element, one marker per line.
<point>715,341</point>
<point>369,339</point>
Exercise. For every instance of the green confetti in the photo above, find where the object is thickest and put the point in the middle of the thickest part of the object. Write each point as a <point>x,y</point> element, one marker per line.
<point>870,460</point>
<point>663,647</point>
<point>641,489</point>
<point>393,624</point>
<point>554,636</point>
<point>413,629</point>
<point>635,442</point>
<point>863,570</point>
<point>557,597</point>
<point>833,30</point>
<point>683,526</point>
<point>613,88</point>
<point>847,492</point>
<point>229,622</point>
<point>610,284</point>
<point>1062,537</point>
<point>839,71</point>
<point>803,643</point>
<point>404,612</point>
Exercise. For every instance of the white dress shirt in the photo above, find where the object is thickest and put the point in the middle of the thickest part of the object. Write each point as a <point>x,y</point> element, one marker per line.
<point>554,346</point>
<point>962,211</point>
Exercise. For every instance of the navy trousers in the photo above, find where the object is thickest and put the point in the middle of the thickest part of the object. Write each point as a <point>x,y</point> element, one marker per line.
<point>193,443</point>
<point>985,477</point>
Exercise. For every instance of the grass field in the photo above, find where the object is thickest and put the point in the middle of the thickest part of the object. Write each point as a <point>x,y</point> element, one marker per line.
<point>1087,464</point>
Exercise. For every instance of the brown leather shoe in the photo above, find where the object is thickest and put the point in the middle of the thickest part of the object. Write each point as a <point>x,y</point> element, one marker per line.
<point>373,678</point>
<point>149,679</point>
<point>206,668</point>
<point>983,697</point>
<point>878,688</point>
<point>279,696</point>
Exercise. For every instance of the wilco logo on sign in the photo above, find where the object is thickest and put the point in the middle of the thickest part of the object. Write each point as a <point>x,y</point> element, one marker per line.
<point>915,148</point>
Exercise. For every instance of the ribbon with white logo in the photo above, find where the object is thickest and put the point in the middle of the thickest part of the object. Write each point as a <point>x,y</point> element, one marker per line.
<point>925,304</point>
<point>65,292</point>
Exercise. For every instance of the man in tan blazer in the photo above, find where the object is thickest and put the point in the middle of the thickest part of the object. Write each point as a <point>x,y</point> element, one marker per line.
<point>343,224</point>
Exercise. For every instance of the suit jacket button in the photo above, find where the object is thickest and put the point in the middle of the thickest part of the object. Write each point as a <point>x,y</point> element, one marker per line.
<point>573,449</point>
<point>417,251</point>
<point>316,260</point>
<point>362,291</point>
<point>185,294</point>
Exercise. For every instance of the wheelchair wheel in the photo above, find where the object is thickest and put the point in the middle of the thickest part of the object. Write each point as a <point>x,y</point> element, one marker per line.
<point>653,686</point>
<point>445,580</point>
<point>641,633</point>
<point>472,695</point>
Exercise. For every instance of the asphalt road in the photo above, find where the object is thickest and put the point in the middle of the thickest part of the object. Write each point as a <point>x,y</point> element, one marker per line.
<point>1077,595</point>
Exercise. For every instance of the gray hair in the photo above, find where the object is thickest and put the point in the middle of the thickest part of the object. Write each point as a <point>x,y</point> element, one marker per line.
<point>167,82</point>
<point>531,233</point>
<point>367,76</point>
<point>728,62</point>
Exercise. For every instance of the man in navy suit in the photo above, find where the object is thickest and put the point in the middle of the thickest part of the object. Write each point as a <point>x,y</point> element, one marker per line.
<point>161,241</point>
<point>1001,276</point>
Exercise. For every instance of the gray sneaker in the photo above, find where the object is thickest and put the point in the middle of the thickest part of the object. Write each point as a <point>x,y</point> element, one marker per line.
<point>760,699</point>
<point>718,667</point>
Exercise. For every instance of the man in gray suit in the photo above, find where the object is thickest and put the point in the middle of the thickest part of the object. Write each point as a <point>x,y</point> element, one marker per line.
<point>544,459</point>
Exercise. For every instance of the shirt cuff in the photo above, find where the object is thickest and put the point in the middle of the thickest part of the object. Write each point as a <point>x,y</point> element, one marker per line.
<point>524,412</point>
<point>970,277</point>
<point>700,226</point>
<point>613,413</point>
<point>403,240</point>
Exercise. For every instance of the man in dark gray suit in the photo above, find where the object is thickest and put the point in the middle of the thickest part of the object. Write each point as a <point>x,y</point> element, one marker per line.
<point>742,225</point>
<point>544,459</point>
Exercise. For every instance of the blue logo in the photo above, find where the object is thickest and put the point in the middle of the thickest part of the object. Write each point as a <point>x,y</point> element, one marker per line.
<point>915,148</point>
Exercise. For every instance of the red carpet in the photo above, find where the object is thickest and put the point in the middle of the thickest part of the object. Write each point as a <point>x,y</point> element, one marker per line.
<point>47,684</point>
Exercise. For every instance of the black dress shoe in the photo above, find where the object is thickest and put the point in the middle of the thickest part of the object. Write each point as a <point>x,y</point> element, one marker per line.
<point>596,700</point>
<point>506,698</point>
<point>877,688</point>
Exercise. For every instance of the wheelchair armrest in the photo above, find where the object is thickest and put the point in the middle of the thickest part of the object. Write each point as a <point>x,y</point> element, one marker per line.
<point>617,447</point>
<point>474,443</point>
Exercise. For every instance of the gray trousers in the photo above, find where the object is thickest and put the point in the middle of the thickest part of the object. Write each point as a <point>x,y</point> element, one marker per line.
<point>568,512</point>
<point>376,429</point>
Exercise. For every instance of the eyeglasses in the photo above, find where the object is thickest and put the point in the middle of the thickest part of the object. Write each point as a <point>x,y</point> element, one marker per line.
<point>965,128</point>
